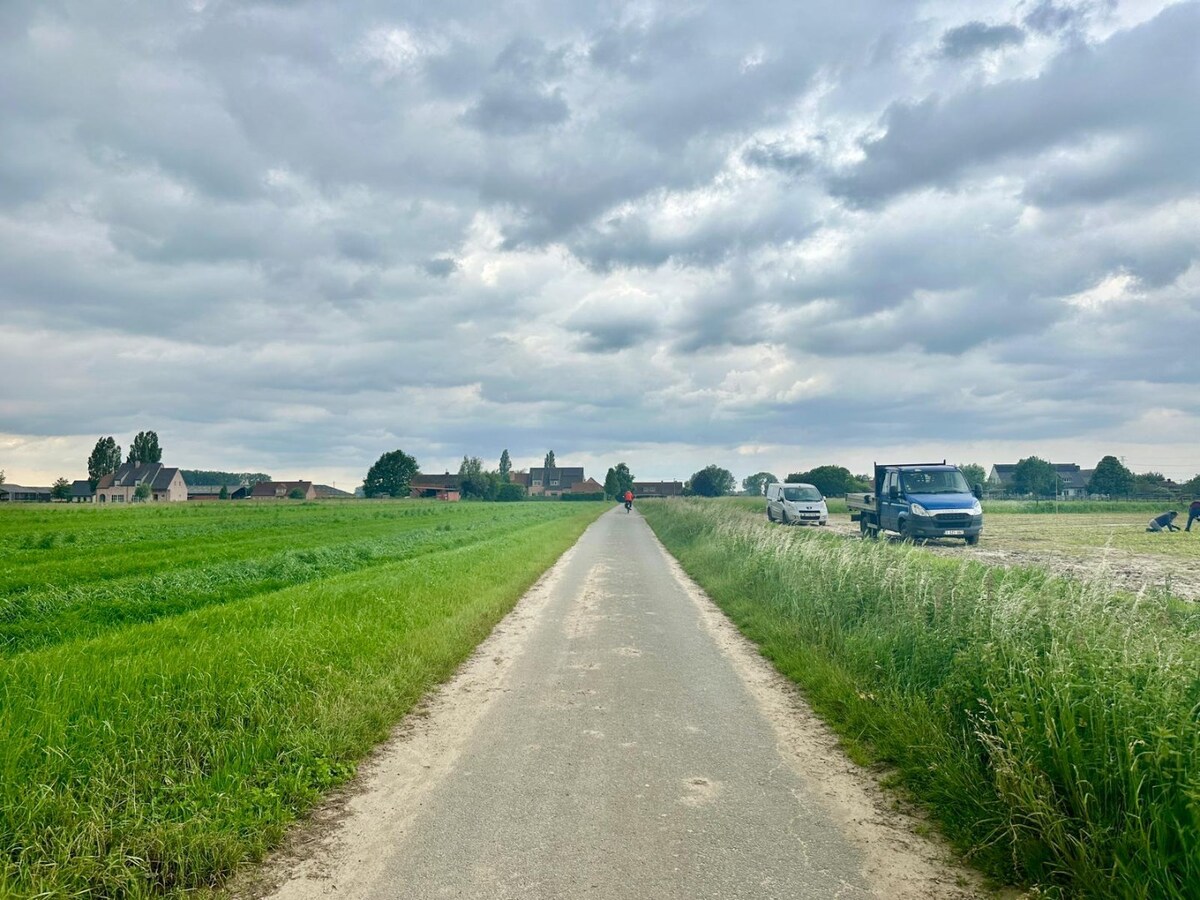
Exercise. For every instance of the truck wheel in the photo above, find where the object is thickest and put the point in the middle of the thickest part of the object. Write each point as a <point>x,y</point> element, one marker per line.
<point>770,515</point>
<point>906,533</point>
<point>783,517</point>
<point>972,540</point>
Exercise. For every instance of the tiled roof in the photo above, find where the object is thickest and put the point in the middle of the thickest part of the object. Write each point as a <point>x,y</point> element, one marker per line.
<point>268,488</point>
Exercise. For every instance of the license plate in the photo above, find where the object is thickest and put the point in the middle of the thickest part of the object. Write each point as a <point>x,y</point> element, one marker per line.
<point>954,532</point>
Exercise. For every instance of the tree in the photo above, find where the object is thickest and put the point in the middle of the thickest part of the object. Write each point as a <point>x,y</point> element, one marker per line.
<point>1111,478</point>
<point>474,482</point>
<point>549,461</point>
<point>296,494</point>
<point>224,495</point>
<point>974,474</point>
<point>757,483</point>
<point>832,481</point>
<point>1152,485</point>
<point>1190,488</point>
<point>390,476</point>
<point>505,465</point>
<point>144,448</point>
<point>61,490</point>
<point>1034,475</point>
<point>105,458</point>
<point>232,479</point>
<point>711,481</point>
<point>617,481</point>
<point>1,478</point>
<point>142,491</point>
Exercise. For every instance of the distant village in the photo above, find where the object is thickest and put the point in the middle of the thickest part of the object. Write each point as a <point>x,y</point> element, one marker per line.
<point>144,478</point>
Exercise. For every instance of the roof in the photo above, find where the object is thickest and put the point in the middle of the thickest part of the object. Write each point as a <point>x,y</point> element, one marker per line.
<point>81,488</point>
<point>9,488</point>
<point>1072,476</point>
<point>445,481</point>
<point>158,476</point>
<point>564,474</point>
<point>591,485</point>
<point>329,492</point>
<point>271,488</point>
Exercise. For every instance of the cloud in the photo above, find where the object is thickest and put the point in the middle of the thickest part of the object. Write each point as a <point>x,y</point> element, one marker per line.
<point>974,38</point>
<point>301,234</point>
<point>1126,86</point>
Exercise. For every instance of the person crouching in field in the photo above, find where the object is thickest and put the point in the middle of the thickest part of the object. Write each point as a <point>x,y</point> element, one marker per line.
<point>1193,513</point>
<point>1165,522</point>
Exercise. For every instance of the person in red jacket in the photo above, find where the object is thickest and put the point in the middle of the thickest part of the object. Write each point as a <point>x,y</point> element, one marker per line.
<point>628,501</point>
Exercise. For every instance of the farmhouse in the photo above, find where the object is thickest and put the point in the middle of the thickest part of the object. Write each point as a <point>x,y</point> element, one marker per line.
<point>81,491</point>
<point>282,490</point>
<point>166,484</point>
<point>435,487</point>
<point>15,493</point>
<point>554,482</point>
<point>649,489</point>
<point>1074,480</point>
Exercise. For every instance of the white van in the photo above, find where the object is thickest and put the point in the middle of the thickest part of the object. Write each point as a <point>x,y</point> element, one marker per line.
<point>796,504</point>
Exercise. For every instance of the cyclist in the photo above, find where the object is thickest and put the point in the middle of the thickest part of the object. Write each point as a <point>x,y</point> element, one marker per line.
<point>628,501</point>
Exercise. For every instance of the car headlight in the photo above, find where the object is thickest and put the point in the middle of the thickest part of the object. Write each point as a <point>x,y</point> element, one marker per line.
<point>919,510</point>
<point>977,508</point>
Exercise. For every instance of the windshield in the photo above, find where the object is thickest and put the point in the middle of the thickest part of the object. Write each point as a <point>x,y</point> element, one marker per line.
<point>945,481</point>
<point>806,494</point>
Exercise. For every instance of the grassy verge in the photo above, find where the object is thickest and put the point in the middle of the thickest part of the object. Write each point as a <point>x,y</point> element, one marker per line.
<point>157,756</point>
<point>1050,726</point>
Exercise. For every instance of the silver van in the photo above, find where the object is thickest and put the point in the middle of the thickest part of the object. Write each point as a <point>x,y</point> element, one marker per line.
<point>796,504</point>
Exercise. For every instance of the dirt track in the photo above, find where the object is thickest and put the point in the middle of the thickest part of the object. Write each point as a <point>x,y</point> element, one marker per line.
<point>615,737</point>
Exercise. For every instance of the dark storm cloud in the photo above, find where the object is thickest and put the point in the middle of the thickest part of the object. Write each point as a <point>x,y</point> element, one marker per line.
<point>978,37</point>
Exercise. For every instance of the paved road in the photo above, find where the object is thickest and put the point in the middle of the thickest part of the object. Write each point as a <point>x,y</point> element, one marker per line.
<point>621,753</point>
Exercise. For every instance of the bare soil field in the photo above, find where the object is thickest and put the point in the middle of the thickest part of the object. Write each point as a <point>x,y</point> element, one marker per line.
<point>1111,547</point>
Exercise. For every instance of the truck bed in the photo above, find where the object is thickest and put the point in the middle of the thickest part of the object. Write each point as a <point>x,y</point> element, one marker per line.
<point>859,503</point>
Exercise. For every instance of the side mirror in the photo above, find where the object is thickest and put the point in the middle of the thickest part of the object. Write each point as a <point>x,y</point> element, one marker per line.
<point>978,491</point>
<point>894,492</point>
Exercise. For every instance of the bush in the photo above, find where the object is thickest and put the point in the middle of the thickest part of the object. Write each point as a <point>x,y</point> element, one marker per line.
<point>585,497</point>
<point>509,492</point>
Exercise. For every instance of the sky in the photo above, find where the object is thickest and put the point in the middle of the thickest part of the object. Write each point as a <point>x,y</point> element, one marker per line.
<point>292,236</point>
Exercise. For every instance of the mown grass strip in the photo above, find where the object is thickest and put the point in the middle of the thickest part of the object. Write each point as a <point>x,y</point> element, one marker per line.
<point>1051,726</point>
<point>154,760</point>
<point>50,613</point>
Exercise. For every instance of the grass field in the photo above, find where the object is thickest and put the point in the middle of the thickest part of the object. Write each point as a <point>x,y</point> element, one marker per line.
<point>178,683</point>
<point>1050,724</point>
<point>1089,541</point>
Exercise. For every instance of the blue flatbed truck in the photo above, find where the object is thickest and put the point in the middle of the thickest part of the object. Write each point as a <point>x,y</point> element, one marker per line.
<point>919,500</point>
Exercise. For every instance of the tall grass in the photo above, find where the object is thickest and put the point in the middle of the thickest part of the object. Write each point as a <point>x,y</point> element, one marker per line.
<point>1050,725</point>
<point>154,758</point>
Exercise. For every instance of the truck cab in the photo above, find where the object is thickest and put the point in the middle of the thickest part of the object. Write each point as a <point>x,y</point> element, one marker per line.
<point>930,500</point>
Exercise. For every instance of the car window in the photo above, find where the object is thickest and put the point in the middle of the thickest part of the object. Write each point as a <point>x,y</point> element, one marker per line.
<point>804,494</point>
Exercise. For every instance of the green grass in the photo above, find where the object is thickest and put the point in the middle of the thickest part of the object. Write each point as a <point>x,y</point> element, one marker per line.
<point>1049,725</point>
<point>162,725</point>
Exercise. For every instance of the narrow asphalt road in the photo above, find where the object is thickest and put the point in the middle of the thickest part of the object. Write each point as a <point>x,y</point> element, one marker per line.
<point>607,742</point>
